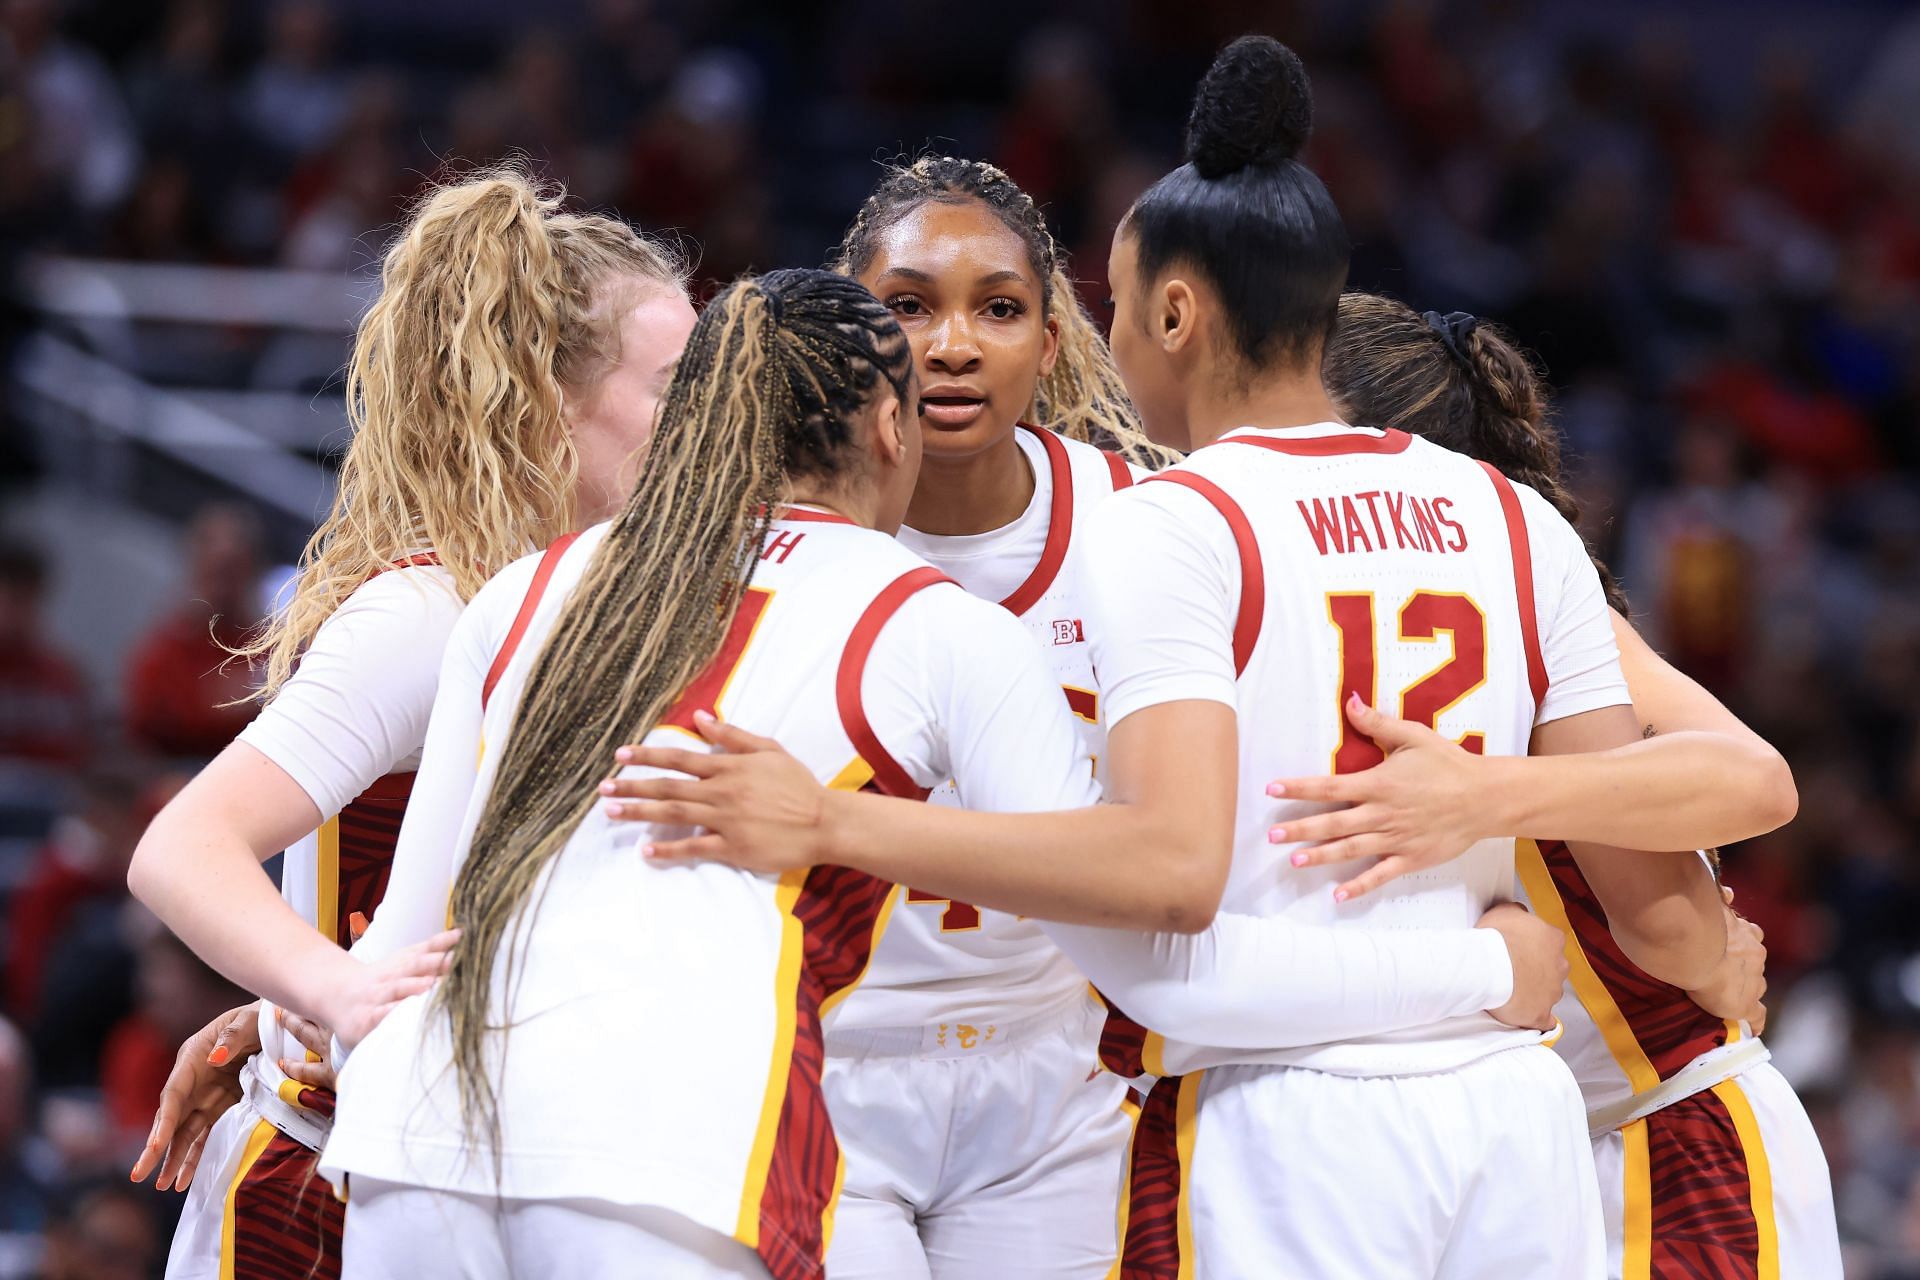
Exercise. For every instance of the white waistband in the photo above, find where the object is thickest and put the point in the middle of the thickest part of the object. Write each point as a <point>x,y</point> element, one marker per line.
<point>303,1126</point>
<point>956,1038</point>
<point>1704,1072</point>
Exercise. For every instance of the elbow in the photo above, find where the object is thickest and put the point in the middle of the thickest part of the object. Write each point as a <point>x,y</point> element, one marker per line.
<point>1191,913</point>
<point>141,873</point>
<point>1777,798</point>
<point>1197,884</point>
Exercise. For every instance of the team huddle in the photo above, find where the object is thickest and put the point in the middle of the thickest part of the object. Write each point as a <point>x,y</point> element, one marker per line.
<point>693,868</point>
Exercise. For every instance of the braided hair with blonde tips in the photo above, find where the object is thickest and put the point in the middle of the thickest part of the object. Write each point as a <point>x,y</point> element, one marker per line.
<point>495,303</point>
<point>775,376</point>
<point>1082,395</point>
<point>1460,382</point>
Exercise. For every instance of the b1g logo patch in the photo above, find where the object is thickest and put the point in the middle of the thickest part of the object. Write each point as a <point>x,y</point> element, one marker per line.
<point>1068,631</point>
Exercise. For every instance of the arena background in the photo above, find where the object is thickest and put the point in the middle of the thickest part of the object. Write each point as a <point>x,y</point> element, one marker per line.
<point>1705,218</point>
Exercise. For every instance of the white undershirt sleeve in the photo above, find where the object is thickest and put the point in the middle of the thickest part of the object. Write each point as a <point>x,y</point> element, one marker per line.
<point>1576,631</point>
<point>1250,982</point>
<point>356,707</point>
<point>1162,582</point>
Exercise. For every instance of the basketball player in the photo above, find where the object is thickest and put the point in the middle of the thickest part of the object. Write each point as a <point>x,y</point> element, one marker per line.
<point>1708,1164</point>
<point>978,1141</point>
<point>469,449</point>
<point>1227,276</point>
<point>753,572</point>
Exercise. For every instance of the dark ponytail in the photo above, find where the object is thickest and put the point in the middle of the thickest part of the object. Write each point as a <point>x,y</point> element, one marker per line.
<point>1243,211</point>
<point>1458,381</point>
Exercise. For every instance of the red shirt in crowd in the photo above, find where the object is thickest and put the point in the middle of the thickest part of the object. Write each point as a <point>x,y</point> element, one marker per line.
<point>181,682</point>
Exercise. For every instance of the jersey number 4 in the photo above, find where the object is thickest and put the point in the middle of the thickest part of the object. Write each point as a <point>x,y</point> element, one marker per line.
<point>957,917</point>
<point>1424,616</point>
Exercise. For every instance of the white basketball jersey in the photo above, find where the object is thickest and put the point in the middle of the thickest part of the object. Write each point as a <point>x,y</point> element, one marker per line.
<point>340,870</point>
<point>950,963</point>
<point>1384,565</point>
<point>701,988</point>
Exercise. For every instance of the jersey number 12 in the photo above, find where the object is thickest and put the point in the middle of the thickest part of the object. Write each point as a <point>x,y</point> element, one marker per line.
<point>1424,616</point>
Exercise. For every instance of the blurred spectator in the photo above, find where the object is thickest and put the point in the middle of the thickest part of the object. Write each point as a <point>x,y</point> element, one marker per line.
<point>695,163</point>
<point>84,140</point>
<point>186,696</point>
<point>174,996</point>
<point>105,1231</point>
<point>1059,130</point>
<point>296,98</point>
<point>24,1193</point>
<point>1705,219</point>
<point>43,700</point>
<point>83,861</point>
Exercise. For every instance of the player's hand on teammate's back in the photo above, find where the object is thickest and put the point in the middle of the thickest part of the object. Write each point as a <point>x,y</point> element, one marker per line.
<point>1539,955</point>
<point>1740,981</point>
<point>1416,809</point>
<point>759,807</point>
<point>368,992</point>
<point>204,1082</point>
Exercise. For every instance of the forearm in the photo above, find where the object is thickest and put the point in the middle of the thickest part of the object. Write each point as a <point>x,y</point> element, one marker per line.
<point>1671,943</point>
<point>1267,983</point>
<point>209,888</point>
<point>1674,791</point>
<point>1110,865</point>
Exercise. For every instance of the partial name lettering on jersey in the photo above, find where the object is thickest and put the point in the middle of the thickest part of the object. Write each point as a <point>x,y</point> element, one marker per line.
<point>781,543</point>
<point>1382,520</point>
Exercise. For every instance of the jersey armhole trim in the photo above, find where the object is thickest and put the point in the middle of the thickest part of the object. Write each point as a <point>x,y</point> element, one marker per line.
<point>888,776</point>
<point>1117,465</point>
<point>1522,582</point>
<point>1253,580</point>
<point>1059,526</point>
<point>523,619</point>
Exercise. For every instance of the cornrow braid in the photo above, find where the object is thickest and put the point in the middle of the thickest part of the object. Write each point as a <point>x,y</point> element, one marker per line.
<point>1386,365</point>
<point>1082,395</point>
<point>775,374</point>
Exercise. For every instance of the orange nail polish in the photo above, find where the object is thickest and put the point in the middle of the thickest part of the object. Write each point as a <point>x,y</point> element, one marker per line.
<point>219,1056</point>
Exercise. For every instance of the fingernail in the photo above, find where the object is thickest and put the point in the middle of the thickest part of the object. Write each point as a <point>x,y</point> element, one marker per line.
<point>607,787</point>
<point>611,808</point>
<point>1276,789</point>
<point>1277,835</point>
<point>624,755</point>
<point>132,1176</point>
<point>648,851</point>
<point>1299,858</point>
<point>1340,895</point>
<point>707,717</point>
<point>219,1056</point>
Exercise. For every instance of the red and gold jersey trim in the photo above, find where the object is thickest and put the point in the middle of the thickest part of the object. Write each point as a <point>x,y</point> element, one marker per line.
<point>1253,578</point>
<point>1522,581</point>
<point>1059,525</point>
<point>542,574</point>
<point>888,775</point>
<point>1344,442</point>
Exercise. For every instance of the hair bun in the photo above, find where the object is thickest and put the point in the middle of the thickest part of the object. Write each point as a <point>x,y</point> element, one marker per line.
<point>1254,105</point>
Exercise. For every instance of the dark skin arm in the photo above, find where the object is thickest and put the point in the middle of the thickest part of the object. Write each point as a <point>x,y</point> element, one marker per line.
<point>1154,857</point>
